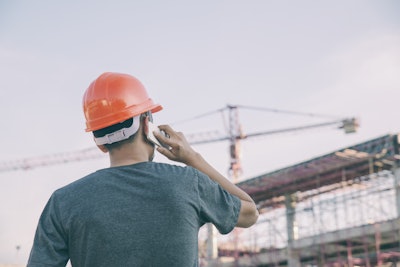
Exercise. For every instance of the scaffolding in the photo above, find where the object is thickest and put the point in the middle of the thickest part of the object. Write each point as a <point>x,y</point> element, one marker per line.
<point>341,209</point>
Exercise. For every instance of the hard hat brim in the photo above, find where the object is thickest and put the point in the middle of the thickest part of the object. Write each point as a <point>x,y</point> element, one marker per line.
<point>111,119</point>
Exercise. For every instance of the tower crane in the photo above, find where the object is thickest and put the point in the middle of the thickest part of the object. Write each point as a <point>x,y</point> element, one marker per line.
<point>234,136</point>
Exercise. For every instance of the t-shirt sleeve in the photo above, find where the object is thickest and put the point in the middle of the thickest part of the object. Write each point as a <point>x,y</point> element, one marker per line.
<point>217,206</point>
<point>50,243</point>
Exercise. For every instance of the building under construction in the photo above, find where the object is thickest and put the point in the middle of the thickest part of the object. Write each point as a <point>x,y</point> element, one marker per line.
<point>340,209</point>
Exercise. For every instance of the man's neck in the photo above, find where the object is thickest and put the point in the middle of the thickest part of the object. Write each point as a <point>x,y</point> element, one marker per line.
<point>129,154</point>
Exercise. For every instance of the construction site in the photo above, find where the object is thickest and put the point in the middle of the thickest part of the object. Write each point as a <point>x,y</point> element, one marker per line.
<point>293,104</point>
<point>339,209</point>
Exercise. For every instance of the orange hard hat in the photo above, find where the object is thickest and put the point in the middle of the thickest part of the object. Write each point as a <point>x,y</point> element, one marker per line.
<point>113,98</point>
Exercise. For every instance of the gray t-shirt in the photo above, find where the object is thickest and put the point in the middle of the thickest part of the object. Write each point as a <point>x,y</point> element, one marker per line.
<point>146,214</point>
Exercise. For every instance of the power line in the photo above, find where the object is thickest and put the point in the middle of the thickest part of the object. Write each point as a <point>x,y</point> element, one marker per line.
<point>199,116</point>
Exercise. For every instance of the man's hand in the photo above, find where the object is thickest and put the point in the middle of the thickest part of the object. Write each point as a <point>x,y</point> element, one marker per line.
<point>177,147</point>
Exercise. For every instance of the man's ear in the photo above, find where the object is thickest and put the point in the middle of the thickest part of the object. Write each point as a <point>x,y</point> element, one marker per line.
<point>103,148</point>
<point>145,125</point>
<point>144,129</point>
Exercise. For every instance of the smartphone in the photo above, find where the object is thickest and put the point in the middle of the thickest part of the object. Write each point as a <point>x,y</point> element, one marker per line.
<point>150,136</point>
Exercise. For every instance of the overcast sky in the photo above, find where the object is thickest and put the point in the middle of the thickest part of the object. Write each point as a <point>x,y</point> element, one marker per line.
<point>336,58</point>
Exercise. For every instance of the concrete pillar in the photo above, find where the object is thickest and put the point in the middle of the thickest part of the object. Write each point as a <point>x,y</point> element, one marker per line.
<point>293,258</point>
<point>212,245</point>
<point>293,255</point>
<point>396,173</point>
<point>290,217</point>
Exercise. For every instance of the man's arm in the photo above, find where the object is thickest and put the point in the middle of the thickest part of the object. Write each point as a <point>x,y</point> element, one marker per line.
<point>180,151</point>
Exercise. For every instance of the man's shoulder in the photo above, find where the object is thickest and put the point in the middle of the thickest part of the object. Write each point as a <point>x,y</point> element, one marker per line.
<point>167,170</point>
<point>163,171</point>
<point>80,183</point>
<point>170,167</point>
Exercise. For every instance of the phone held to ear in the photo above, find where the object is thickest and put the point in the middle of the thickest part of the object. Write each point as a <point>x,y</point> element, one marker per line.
<point>150,136</point>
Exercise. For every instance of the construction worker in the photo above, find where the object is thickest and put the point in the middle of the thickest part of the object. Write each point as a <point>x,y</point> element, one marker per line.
<point>136,212</point>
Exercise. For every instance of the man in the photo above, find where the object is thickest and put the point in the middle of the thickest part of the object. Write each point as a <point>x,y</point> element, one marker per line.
<point>136,212</point>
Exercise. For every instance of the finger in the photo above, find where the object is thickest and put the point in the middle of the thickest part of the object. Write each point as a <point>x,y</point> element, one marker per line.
<point>166,128</point>
<point>163,139</point>
<point>166,152</point>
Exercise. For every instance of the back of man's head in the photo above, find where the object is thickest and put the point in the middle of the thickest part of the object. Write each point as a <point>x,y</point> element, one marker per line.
<point>113,104</point>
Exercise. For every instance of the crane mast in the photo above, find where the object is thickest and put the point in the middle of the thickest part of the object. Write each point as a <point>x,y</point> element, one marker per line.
<point>235,135</point>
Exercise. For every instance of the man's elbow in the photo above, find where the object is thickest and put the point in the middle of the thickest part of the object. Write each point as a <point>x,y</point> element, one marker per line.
<point>252,218</point>
<point>248,215</point>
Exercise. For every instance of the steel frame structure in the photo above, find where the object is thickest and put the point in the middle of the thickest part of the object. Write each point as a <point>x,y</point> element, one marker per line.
<point>340,209</point>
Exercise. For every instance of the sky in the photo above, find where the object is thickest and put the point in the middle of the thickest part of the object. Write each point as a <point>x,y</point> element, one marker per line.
<point>338,59</point>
